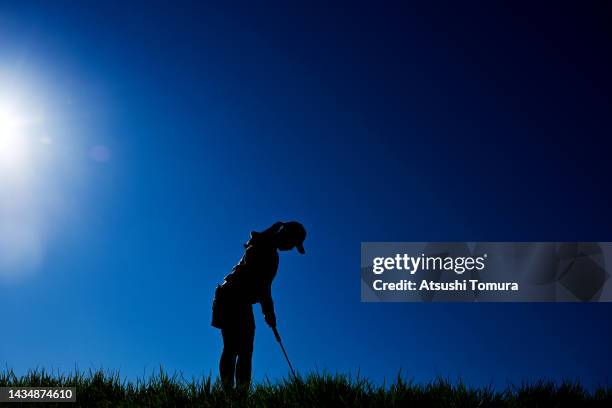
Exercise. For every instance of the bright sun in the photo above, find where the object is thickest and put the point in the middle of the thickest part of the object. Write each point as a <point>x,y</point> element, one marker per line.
<point>13,140</point>
<point>32,174</point>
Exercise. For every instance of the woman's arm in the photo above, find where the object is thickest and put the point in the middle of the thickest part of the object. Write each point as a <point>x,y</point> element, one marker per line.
<point>267,305</point>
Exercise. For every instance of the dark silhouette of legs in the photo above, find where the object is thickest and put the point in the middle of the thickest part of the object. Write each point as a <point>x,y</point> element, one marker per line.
<point>238,337</point>
<point>243,369</point>
<point>227,366</point>
<point>235,364</point>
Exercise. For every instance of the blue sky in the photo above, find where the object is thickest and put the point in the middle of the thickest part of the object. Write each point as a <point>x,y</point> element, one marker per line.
<point>165,134</point>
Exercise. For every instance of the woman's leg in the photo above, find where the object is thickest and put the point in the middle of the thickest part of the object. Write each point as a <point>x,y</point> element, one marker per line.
<point>243,369</point>
<point>227,364</point>
<point>245,350</point>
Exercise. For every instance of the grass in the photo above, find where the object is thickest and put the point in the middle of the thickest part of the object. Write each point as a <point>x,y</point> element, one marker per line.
<point>107,389</point>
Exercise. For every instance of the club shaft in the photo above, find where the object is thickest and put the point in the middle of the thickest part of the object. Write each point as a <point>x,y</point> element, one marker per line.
<point>278,338</point>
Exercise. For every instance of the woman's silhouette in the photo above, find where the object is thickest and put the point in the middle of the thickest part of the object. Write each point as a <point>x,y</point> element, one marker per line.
<point>250,282</point>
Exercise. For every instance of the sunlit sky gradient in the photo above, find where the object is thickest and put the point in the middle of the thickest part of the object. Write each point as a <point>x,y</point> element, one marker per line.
<point>162,135</point>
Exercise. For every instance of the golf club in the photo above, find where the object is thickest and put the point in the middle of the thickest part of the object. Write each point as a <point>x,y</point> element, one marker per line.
<point>278,338</point>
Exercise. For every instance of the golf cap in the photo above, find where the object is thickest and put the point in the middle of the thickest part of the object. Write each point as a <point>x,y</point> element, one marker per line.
<point>297,232</point>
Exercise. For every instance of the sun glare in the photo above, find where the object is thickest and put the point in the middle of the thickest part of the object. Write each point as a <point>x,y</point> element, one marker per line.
<point>13,141</point>
<point>32,174</point>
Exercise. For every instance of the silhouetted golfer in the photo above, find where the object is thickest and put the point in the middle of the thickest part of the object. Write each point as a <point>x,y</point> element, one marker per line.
<point>250,282</point>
